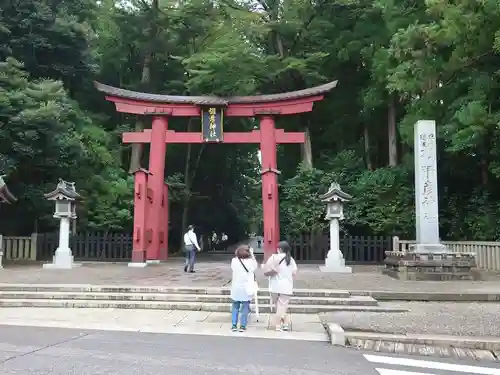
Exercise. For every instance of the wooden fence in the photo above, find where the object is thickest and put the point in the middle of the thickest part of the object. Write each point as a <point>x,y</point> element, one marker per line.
<point>91,246</point>
<point>100,246</point>
<point>487,253</point>
<point>18,248</point>
<point>356,249</point>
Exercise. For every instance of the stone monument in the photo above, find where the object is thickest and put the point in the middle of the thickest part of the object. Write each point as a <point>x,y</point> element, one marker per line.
<point>65,197</point>
<point>428,259</point>
<point>334,199</point>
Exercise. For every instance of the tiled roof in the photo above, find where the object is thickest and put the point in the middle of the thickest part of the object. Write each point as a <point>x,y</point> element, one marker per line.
<point>214,100</point>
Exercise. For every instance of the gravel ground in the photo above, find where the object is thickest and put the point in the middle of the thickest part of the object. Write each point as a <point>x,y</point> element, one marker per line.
<point>462,319</point>
<point>370,278</point>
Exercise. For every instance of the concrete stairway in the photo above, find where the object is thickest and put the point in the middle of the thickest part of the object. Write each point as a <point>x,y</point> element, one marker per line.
<point>172,298</point>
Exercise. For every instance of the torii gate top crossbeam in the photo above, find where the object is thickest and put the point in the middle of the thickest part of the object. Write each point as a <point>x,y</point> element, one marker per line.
<point>293,102</point>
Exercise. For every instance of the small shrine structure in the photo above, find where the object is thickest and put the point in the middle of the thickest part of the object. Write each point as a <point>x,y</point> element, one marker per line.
<point>5,197</point>
<point>150,236</point>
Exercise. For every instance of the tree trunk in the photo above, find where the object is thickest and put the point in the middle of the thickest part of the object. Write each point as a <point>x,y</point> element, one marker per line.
<point>484,171</point>
<point>392,132</point>
<point>307,149</point>
<point>187,188</point>
<point>189,175</point>
<point>368,159</point>
<point>135,158</point>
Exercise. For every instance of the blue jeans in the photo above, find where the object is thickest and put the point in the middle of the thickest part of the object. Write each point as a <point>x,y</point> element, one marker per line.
<point>190,257</point>
<point>245,310</point>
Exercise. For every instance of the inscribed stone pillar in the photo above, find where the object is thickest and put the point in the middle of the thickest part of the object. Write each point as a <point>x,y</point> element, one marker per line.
<point>426,188</point>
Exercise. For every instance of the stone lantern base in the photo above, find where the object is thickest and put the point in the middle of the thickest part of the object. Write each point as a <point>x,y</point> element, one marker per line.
<point>432,266</point>
<point>335,263</point>
<point>62,260</point>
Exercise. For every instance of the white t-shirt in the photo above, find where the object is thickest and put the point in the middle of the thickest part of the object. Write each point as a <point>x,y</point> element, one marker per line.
<point>282,283</point>
<point>190,239</point>
<point>241,277</point>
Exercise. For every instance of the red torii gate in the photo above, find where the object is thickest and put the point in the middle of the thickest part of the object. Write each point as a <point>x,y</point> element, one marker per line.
<point>150,237</point>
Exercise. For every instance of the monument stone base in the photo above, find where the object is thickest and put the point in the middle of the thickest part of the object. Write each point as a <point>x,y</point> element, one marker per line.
<point>431,266</point>
<point>335,263</point>
<point>62,260</point>
<point>429,248</point>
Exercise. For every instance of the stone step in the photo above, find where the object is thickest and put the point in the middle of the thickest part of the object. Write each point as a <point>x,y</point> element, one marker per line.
<point>193,306</point>
<point>159,289</point>
<point>181,297</point>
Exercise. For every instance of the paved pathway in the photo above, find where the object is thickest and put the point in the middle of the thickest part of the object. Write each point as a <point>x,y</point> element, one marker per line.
<point>169,274</point>
<point>305,326</point>
<point>218,273</point>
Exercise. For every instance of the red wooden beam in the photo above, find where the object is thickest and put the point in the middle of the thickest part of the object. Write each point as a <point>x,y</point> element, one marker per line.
<point>281,107</point>
<point>289,137</point>
<point>196,137</point>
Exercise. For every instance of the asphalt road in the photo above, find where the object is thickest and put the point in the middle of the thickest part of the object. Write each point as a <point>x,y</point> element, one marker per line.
<point>56,351</point>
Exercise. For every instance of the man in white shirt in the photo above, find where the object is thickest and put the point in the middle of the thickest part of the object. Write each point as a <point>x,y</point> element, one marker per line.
<point>190,248</point>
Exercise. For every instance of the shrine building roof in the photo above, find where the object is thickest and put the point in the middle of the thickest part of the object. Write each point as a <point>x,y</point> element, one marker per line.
<point>213,100</point>
<point>5,195</point>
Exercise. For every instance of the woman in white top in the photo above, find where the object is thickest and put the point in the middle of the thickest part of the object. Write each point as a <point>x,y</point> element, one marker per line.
<point>281,284</point>
<point>243,266</point>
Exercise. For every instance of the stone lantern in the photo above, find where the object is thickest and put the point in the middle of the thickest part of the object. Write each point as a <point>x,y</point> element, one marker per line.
<point>65,198</point>
<point>334,199</point>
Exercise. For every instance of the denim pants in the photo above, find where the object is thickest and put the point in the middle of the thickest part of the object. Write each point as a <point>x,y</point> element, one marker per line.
<point>190,257</point>
<point>245,310</point>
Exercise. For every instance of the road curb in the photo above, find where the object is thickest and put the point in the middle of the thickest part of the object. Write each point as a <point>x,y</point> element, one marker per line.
<point>477,348</point>
<point>336,334</point>
<point>382,295</point>
<point>464,342</point>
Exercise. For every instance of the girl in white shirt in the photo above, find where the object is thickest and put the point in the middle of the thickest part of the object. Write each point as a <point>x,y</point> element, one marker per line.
<point>281,284</point>
<point>243,266</point>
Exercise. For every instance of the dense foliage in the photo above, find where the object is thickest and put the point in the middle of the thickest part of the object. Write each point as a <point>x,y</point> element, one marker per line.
<point>396,62</point>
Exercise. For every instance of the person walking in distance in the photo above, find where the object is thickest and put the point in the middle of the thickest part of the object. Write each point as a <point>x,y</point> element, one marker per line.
<point>281,269</point>
<point>224,239</point>
<point>214,241</point>
<point>190,248</point>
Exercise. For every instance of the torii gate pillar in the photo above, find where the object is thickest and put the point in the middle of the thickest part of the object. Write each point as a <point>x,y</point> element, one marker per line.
<point>270,203</point>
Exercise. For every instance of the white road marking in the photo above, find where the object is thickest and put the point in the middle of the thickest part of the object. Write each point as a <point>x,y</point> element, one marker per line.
<point>430,365</point>
<point>385,371</point>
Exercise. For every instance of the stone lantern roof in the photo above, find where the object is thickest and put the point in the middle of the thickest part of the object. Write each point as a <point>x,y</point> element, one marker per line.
<point>64,191</point>
<point>5,195</point>
<point>335,193</point>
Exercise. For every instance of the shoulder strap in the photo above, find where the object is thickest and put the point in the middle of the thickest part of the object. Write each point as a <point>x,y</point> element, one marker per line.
<point>243,264</point>
<point>282,259</point>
